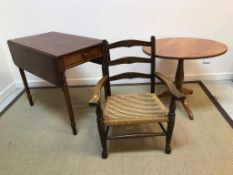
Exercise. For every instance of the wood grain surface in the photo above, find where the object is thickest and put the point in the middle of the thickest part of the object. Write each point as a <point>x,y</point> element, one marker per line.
<point>187,48</point>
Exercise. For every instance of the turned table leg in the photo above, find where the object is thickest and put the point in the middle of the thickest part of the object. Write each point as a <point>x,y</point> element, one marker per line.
<point>179,79</point>
<point>26,86</point>
<point>68,103</point>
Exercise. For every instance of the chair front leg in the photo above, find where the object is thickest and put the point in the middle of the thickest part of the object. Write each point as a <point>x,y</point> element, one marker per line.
<point>170,125</point>
<point>101,129</point>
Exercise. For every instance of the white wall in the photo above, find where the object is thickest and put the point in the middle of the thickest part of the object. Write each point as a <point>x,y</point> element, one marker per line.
<point>120,19</point>
<point>7,85</point>
<point>5,74</point>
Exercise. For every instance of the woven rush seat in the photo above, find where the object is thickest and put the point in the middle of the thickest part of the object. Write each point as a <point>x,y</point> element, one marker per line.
<point>134,108</point>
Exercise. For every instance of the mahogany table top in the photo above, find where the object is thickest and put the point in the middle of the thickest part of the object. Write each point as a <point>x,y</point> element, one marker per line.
<point>56,44</point>
<point>187,48</point>
<point>48,55</point>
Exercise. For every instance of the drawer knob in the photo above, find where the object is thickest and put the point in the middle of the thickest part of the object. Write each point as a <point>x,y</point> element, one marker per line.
<point>84,55</point>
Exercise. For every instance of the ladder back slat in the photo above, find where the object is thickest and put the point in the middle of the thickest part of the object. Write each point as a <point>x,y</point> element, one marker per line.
<point>129,60</point>
<point>129,75</point>
<point>128,43</point>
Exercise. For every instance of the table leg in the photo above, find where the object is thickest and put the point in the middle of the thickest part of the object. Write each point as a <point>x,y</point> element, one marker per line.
<point>179,79</point>
<point>164,94</point>
<point>26,86</point>
<point>68,103</point>
<point>186,91</point>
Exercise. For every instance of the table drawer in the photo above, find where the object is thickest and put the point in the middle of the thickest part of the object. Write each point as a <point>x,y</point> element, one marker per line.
<point>74,59</point>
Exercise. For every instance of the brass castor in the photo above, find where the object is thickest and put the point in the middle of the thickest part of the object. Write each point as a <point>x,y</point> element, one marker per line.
<point>104,155</point>
<point>73,126</point>
<point>168,150</point>
<point>75,132</point>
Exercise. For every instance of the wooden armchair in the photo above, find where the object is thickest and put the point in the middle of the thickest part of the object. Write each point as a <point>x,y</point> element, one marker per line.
<point>133,108</point>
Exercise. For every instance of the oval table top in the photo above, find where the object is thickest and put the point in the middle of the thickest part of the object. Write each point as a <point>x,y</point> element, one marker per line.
<point>187,48</point>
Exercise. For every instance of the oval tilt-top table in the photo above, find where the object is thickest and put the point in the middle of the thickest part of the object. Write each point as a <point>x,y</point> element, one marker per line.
<point>184,48</point>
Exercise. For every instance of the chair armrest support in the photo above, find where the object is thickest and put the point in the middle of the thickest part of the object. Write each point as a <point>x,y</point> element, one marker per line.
<point>171,87</point>
<point>95,100</point>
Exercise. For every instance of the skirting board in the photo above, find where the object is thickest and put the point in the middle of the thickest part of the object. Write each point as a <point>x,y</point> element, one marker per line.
<point>10,92</point>
<point>92,81</point>
<point>205,89</point>
<point>8,95</point>
<point>7,91</point>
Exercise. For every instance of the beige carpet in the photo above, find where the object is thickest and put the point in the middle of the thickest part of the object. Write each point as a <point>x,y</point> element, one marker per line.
<point>38,140</point>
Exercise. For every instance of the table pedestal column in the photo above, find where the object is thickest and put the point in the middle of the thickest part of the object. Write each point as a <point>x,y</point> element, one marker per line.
<point>179,80</point>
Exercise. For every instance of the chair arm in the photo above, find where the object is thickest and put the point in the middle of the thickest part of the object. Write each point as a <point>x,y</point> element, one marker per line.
<point>171,87</point>
<point>95,100</point>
